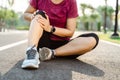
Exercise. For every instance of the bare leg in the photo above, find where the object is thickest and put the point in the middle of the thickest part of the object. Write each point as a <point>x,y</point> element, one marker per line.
<point>35,33</point>
<point>77,46</point>
<point>32,56</point>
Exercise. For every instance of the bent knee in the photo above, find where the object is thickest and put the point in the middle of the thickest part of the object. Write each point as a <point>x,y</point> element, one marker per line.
<point>93,38</point>
<point>92,42</point>
<point>35,22</point>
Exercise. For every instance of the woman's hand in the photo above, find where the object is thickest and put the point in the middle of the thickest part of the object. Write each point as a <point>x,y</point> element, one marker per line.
<point>44,23</point>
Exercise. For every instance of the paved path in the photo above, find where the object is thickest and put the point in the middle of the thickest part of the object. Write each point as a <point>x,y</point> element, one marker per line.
<point>103,63</point>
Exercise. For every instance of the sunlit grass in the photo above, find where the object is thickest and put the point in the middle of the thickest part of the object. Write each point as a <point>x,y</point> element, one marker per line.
<point>22,28</point>
<point>107,37</point>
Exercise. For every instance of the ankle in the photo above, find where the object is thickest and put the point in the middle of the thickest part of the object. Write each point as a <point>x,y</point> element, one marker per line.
<point>32,47</point>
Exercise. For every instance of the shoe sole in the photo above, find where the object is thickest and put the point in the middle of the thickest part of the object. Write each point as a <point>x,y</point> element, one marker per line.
<point>44,53</point>
<point>30,66</point>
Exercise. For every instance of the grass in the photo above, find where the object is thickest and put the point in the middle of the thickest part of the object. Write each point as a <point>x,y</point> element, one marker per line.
<point>107,37</point>
<point>22,28</point>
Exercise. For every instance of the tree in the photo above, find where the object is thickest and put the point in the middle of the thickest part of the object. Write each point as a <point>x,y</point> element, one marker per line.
<point>83,8</point>
<point>88,18</point>
<point>10,18</point>
<point>109,13</point>
<point>10,2</point>
<point>105,17</point>
<point>92,19</point>
<point>84,20</point>
<point>84,17</point>
<point>2,18</point>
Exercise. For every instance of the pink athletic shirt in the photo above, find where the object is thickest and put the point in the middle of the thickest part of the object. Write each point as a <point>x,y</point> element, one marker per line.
<point>58,13</point>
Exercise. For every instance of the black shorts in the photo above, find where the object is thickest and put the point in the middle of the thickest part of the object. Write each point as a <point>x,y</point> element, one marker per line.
<point>45,41</point>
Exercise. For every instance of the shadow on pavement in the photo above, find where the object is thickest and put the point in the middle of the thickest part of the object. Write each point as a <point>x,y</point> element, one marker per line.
<point>0,75</point>
<point>57,69</point>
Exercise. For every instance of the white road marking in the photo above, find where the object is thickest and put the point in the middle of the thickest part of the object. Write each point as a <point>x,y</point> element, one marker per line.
<point>12,45</point>
<point>118,45</point>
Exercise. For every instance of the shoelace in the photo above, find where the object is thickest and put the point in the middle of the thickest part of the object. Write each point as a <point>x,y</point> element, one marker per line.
<point>31,53</point>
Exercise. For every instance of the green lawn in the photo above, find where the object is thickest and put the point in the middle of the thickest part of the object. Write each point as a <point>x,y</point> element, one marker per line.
<point>22,28</point>
<point>107,37</point>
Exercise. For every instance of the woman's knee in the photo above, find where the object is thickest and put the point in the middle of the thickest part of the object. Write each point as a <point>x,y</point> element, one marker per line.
<point>95,39</point>
<point>91,42</point>
<point>92,38</point>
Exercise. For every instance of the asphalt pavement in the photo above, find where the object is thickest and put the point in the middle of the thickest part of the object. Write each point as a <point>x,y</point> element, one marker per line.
<point>102,63</point>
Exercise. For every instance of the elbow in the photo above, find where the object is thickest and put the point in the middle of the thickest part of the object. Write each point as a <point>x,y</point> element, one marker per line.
<point>24,16</point>
<point>70,34</point>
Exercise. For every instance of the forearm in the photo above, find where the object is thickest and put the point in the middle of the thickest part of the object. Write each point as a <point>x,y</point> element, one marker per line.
<point>69,30</point>
<point>63,32</point>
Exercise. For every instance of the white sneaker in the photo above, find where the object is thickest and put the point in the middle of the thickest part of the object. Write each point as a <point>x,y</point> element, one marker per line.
<point>46,54</point>
<point>32,59</point>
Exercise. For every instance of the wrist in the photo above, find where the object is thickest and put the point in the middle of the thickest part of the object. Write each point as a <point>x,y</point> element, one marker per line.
<point>53,29</point>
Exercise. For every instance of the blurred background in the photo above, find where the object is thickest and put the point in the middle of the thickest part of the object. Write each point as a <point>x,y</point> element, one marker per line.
<point>100,16</point>
<point>103,63</point>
